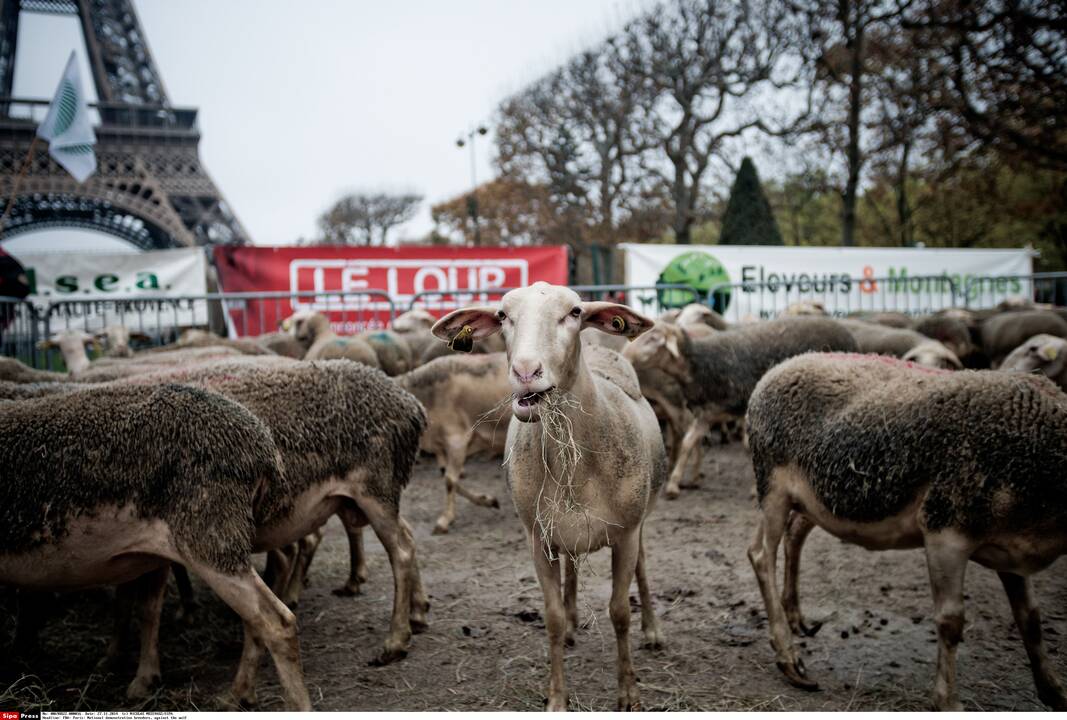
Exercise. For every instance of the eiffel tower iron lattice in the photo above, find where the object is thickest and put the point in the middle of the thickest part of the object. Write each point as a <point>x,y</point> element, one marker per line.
<point>150,187</point>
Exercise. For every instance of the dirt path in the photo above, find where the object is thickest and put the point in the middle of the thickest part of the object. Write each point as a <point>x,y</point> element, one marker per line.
<point>486,645</point>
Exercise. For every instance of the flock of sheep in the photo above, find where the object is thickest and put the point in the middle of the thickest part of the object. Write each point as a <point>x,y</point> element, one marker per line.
<point>947,433</point>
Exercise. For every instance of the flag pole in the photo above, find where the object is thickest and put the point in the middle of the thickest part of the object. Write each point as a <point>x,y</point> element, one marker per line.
<point>18,182</point>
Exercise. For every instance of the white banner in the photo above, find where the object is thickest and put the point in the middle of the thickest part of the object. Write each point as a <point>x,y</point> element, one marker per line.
<point>760,281</point>
<point>93,290</point>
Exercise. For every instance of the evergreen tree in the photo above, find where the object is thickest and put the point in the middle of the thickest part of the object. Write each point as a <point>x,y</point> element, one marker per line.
<point>749,219</point>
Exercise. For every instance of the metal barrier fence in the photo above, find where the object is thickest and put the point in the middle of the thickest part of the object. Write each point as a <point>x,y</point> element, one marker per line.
<point>838,295</point>
<point>24,324</point>
<point>162,319</point>
<point>1049,287</point>
<point>649,299</point>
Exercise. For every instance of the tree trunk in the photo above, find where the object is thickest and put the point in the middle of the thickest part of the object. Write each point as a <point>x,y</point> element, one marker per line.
<point>903,205</point>
<point>683,216</point>
<point>855,159</point>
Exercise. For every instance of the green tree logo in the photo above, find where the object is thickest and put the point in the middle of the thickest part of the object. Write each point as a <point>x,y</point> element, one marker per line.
<point>701,271</point>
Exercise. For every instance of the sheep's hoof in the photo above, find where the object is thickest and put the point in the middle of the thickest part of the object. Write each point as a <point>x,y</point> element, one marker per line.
<point>796,675</point>
<point>440,528</point>
<point>654,641</point>
<point>809,630</point>
<point>1053,697</point>
<point>568,640</point>
<point>349,589</point>
<point>557,705</point>
<point>142,687</point>
<point>237,701</point>
<point>388,656</point>
<point>672,492</point>
<point>493,502</point>
<point>629,701</point>
<point>418,625</point>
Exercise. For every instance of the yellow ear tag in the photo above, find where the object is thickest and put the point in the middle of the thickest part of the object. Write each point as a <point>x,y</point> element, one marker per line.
<point>462,341</point>
<point>286,324</point>
<point>618,323</point>
<point>1049,352</point>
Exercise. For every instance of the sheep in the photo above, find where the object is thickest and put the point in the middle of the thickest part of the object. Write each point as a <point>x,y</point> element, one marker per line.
<point>804,307</point>
<point>883,339</point>
<point>695,314</point>
<point>933,354</point>
<point>414,326</point>
<point>348,438</point>
<point>718,373</point>
<point>464,399</point>
<point>392,350</point>
<point>897,320</point>
<point>11,370</point>
<point>117,339</point>
<point>1004,332</point>
<point>194,337</point>
<point>282,343</point>
<point>877,452</point>
<point>950,330</point>
<point>1046,354</point>
<point>145,477</point>
<point>72,345</point>
<point>569,397</point>
<point>314,329</point>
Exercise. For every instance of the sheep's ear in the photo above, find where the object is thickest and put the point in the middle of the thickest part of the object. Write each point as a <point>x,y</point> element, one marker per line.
<point>460,328</point>
<point>614,319</point>
<point>46,344</point>
<point>672,345</point>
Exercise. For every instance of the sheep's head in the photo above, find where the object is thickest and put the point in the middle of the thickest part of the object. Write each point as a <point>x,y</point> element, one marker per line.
<point>72,344</point>
<point>697,314</point>
<point>118,337</point>
<point>541,325</point>
<point>306,325</point>
<point>1041,353</point>
<point>934,354</point>
<point>413,321</point>
<point>660,348</point>
<point>805,307</point>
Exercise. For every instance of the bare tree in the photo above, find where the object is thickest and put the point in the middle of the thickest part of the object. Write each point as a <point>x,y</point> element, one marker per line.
<point>706,61</point>
<point>366,218</point>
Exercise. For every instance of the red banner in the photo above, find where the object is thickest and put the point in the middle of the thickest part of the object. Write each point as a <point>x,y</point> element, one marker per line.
<point>354,286</point>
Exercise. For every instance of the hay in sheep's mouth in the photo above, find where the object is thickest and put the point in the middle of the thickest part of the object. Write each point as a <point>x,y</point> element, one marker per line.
<point>534,398</point>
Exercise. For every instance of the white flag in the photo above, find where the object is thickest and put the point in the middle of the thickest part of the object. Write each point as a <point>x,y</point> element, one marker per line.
<point>66,126</point>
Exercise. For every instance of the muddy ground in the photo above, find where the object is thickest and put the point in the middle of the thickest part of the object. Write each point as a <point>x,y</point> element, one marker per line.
<point>486,645</point>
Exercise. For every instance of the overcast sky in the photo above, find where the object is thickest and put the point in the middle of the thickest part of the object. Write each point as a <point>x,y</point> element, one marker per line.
<point>299,105</point>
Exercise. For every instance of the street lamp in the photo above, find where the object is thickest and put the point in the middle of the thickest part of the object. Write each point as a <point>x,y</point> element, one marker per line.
<point>472,199</point>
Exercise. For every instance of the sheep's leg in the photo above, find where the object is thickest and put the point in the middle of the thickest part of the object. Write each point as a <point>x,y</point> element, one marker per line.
<point>305,552</point>
<point>1028,620</point>
<point>796,533</point>
<point>267,621</point>
<point>385,521</point>
<point>125,596</point>
<point>420,604</point>
<point>548,570</point>
<point>570,599</point>
<point>691,478</point>
<point>697,428</point>
<point>763,555</point>
<point>151,589</point>
<point>624,558</point>
<point>649,622</point>
<point>188,607</point>
<point>946,560</point>
<point>280,562</point>
<point>455,458</point>
<point>353,521</point>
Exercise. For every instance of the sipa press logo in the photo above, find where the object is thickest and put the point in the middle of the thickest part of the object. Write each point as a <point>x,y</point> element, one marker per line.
<point>348,284</point>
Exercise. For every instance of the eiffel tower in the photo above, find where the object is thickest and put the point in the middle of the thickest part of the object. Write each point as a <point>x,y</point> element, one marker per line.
<point>150,187</point>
